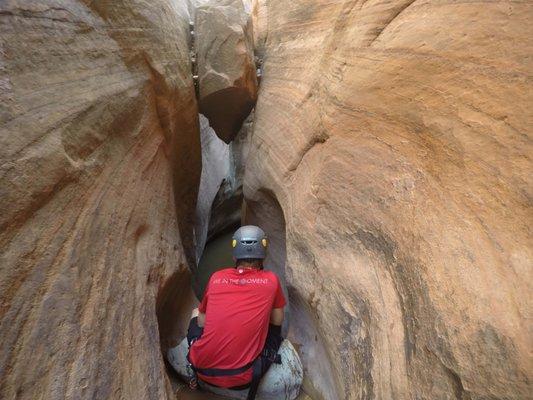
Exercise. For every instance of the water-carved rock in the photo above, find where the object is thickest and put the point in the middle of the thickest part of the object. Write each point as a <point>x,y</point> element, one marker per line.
<point>226,68</point>
<point>99,167</point>
<point>396,137</point>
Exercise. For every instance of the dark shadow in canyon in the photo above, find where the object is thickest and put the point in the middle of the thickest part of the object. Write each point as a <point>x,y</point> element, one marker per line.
<point>174,303</point>
<point>216,256</point>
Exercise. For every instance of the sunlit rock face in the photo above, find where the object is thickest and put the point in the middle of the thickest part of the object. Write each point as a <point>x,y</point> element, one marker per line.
<point>99,165</point>
<point>396,138</point>
<point>226,68</point>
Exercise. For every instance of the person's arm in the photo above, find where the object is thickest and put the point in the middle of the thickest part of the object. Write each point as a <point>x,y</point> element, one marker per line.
<point>274,338</point>
<point>201,319</point>
<point>276,316</point>
<point>202,308</point>
<point>277,313</point>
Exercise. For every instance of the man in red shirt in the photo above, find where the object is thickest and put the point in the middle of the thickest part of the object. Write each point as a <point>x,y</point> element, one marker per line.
<point>237,333</point>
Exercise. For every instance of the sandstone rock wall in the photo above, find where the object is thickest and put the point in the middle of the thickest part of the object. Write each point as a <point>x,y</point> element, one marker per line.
<point>389,162</point>
<point>395,138</point>
<point>99,165</point>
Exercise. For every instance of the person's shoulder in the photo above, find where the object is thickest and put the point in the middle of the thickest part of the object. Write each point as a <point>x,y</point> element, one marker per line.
<point>271,274</point>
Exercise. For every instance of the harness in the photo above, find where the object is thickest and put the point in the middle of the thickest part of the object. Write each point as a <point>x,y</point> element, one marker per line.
<point>257,371</point>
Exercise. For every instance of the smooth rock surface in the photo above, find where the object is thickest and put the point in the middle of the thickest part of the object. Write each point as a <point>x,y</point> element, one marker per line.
<point>99,169</point>
<point>215,170</point>
<point>227,205</point>
<point>281,382</point>
<point>220,194</point>
<point>392,143</point>
<point>226,68</point>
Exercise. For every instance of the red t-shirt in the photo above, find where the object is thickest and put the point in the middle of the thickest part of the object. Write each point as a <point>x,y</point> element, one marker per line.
<point>237,305</point>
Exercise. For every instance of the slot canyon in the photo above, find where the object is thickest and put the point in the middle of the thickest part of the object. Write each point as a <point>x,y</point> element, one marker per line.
<point>383,145</point>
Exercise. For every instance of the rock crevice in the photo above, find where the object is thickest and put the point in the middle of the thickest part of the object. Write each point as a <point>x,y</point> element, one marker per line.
<point>226,68</point>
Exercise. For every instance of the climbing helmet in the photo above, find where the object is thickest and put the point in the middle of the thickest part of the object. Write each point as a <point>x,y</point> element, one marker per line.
<point>249,241</point>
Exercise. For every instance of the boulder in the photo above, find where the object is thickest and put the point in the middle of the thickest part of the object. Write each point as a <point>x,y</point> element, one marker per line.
<point>281,382</point>
<point>392,147</point>
<point>226,69</point>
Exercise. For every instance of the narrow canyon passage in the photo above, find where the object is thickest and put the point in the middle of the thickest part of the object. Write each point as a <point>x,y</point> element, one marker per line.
<point>384,146</point>
<point>299,325</point>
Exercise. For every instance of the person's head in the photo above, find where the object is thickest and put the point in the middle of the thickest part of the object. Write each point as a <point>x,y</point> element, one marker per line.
<point>249,246</point>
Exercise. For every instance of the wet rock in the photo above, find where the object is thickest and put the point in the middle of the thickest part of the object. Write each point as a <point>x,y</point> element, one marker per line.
<point>396,139</point>
<point>226,68</point>
<point>99,167</point>
<point>281,382</point>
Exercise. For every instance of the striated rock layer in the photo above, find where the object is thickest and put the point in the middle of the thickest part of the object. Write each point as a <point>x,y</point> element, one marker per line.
<point>392,145</point>
<point>99,165</point>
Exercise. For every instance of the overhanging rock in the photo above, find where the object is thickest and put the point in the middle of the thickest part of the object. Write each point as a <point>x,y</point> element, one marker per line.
<point>226,70</point>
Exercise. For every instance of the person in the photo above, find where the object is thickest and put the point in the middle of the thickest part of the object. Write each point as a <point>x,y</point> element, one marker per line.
<point>236,334</point>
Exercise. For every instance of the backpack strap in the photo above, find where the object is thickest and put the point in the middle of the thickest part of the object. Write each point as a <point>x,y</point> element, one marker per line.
<point>259,366</point>
<point>257,373</point>
<point>218,371</point>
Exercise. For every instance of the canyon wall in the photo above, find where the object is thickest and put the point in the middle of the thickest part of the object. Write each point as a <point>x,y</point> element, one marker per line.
<point>99,169</point>
<point>391,147</point>
<point>389,162</point>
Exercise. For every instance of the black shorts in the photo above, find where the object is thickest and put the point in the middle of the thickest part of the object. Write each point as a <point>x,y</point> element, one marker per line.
<point>194,332</point>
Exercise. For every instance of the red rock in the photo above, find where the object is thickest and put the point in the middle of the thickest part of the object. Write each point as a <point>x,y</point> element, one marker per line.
<point>394,139</point>
<point>99,161</point>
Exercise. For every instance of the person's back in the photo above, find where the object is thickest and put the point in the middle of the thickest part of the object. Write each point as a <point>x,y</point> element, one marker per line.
<point>237,304</point>
<point>236,334</point>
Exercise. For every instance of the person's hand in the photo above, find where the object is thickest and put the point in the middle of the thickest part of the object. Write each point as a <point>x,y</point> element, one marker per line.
<point>193,383</point>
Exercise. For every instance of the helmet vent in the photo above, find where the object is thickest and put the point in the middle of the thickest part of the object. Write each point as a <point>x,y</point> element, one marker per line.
<point>249,241</point>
